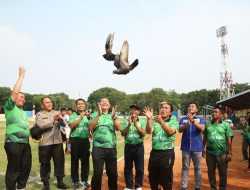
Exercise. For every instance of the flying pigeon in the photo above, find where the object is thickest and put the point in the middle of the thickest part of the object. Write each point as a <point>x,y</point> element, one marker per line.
<point>120,60</point>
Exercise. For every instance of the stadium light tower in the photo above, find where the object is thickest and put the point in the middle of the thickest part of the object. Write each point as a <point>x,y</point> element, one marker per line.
<point>226,81</point>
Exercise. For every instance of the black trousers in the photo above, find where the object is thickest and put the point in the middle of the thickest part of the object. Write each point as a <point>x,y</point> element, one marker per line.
<point>55,152</point>
<point>134,154</point>
<point>160,169</point>
<point>221,163</point>
<point>19,165</point>
<point>109,157</point>
<point>79,151</point>
<point>245,149</point>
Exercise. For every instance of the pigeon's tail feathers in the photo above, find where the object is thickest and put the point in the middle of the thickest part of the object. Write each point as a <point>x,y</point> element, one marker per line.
<point>120,72</point>
<point>133,65</point>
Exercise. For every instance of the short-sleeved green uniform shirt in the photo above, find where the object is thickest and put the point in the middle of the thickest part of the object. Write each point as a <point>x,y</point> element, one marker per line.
<point>104,134</point>
<point>229,121</point>
<point>82,130</point>
<point>17,124</point>
<point>217,135</point>
<point>133,136</point>
<point>246,133</point>
<point>160,139</point>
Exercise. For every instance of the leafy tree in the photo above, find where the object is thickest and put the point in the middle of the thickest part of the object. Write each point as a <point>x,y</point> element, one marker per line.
<point>241,87</point>
<point>152,98</point>
<point>115,97</point>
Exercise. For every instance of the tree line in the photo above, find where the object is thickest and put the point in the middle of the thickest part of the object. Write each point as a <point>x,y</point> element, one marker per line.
<point>152,98</point>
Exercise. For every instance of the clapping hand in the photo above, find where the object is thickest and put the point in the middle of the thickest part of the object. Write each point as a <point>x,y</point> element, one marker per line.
<point>130,120</point>
<point>159,119</point>
<point>190,117</point>
<point>57,116</point>
<point>148,112</point>
<point>82,114</point>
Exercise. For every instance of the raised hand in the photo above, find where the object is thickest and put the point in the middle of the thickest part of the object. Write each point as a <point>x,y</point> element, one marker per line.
<point>148,112</point>
<point>113,113</point>
<point>21,72</point>
<point>99,109</point>
<point>18,85</point>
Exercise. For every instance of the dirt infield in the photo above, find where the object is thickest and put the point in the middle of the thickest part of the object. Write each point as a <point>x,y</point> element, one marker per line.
<point>238,177</point>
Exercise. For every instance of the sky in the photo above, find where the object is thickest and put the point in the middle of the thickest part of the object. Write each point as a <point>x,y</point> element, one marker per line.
<point>61,42</point>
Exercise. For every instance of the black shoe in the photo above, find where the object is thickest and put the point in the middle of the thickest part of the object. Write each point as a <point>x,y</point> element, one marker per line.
<point>20,188</point>
<point>62,185</point>
<point>197,189</point>
<point>46,187</point>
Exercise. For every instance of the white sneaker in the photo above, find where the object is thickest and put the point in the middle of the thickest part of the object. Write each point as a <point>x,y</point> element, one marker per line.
<point>85,184</point>
<point>138,188</point>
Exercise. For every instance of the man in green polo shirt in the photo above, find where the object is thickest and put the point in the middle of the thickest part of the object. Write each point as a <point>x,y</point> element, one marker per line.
<point>218,142</point>
<point>17,138</point>
<point>162,156</point>
<point>80,145</point>
<point>245,127</point>
<point>244,147</point>
<point>134,132</point>
<point>103,128</point>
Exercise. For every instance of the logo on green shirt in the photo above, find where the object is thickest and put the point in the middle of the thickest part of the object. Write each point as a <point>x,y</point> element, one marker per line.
<point>133,136</point>
<point>160,139</point>
<point>17,124</point>
<point>82,130</point>
<point>217,135</point>
<point>104,134</point>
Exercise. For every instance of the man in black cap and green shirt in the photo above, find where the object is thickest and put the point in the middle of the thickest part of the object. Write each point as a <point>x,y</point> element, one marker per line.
<point>79,140</point>
<point>103,128</point>
<point>17,138</point>
<point>134,149</point>
<point>218,141</point>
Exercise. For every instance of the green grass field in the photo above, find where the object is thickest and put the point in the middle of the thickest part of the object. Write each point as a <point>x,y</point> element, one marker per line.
<point>34,175</point>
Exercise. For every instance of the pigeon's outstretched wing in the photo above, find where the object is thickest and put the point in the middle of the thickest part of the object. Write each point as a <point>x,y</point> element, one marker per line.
<point>124,54</point>
<point>133,65</point>
<point>108,48</point>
